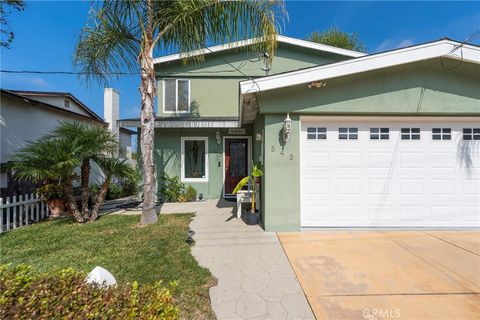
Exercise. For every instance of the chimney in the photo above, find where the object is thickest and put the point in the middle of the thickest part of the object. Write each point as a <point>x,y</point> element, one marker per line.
<point>111,109</point>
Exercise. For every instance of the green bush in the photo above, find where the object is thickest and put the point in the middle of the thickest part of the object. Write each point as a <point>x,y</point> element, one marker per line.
<point>173,190</point>
<point>129,188</point>
<point>114,191</point>
<point>191,194</point>
<point>65,295</point>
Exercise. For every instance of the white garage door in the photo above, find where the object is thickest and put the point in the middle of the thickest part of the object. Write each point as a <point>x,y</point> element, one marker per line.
<point>391,172</point>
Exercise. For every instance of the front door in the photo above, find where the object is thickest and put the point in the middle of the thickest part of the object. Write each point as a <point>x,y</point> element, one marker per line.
<point>236,162</point>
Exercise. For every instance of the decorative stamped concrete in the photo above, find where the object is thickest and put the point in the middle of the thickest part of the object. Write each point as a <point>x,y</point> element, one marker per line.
<point>255,279</point>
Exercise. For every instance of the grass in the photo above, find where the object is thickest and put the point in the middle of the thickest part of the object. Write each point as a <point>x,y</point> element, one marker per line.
<point>145,254</point>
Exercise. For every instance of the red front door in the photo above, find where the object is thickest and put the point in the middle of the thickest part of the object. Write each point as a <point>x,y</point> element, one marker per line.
<point>236,162</point>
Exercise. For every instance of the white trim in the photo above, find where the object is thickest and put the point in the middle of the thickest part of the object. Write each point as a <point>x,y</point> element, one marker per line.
<point>184,124</point>
<point>182,160</point>
<point>238,44</point>
<point>442,48</point>
<point>176,95</point>
<point>249,155</point>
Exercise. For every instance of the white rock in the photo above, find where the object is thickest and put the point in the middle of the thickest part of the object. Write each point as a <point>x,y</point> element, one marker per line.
<point>101,276</point>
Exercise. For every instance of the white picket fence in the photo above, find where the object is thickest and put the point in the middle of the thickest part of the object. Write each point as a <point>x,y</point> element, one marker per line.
<point>24,210</point>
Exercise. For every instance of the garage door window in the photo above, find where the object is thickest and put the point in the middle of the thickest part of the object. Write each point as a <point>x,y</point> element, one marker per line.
<point>410,133</point>
<point>348,133</point>
<point>471,134</point>
<point>316,133</point>
<point>442,134</point>
<point>379,133</point>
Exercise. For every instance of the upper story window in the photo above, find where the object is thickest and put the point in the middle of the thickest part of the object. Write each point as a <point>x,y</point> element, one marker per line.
<point>66,104</point>
<point>471,134</point>
<point>348,133</point>
<point>176,95</point>
<point>410,133</point>
<point>441,133</point>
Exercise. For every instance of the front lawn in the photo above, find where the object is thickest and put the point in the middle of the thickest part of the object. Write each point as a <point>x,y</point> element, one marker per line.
<point>129,252</point>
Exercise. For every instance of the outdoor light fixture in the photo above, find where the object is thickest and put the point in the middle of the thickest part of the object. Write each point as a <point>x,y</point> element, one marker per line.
<point>218,137</point>
<point>317,85</point>
<point>287,127</point>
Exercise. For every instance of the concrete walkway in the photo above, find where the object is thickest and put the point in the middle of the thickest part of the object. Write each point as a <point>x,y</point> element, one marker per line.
<point>255,279</point>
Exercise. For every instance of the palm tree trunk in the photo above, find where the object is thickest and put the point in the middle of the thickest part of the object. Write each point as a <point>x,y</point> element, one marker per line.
<point>100,198</point>
<point>147,91</point>
<point>72,205</point>
<point>85,187</point>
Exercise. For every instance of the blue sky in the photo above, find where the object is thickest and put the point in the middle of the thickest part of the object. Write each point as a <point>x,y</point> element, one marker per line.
<point>45,35</point>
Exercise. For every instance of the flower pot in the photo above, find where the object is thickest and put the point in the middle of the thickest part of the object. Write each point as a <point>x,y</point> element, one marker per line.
<point>57,207</point>
<point>252,218</point>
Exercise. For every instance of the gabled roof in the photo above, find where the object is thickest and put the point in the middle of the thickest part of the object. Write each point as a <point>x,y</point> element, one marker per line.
<point>28,94</point>
<point>440,48</point>
<point>281,39</point>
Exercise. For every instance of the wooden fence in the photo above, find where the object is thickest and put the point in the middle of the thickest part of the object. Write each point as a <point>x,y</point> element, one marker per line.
<point>24,210</point>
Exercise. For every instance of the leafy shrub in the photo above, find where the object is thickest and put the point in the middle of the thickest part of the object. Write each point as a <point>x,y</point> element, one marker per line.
<point>51,191</point>
<point>114,191</point>
<point>173,190</point>
<point>191,194</point>
<point>129,188</point>
<point>65,295</point>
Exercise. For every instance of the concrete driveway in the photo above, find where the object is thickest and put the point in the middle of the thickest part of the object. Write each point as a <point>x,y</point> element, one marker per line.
<point>388,274</point>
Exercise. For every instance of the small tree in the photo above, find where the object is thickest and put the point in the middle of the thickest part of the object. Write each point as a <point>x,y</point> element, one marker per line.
<point>336,38</point>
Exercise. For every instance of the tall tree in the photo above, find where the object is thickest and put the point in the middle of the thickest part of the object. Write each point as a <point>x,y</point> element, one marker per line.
<point>123,35</point>
<point>340,39</point>
<point>5,9</point>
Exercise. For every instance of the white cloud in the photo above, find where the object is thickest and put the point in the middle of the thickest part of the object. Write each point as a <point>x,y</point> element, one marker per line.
<point>13,81</point>
<point>390,44</point>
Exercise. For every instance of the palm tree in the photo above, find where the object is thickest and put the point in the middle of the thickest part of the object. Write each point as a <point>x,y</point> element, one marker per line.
<point>92,142</point>
<point>54,158</point>
<point>122,36</point>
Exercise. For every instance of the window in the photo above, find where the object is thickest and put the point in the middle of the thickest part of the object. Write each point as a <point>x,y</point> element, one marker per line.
<point>348,133</point>
<point>176,95</point>
<point>379,133</point>
<point>194,157</point>
<point>442,134</point>
<point>471,134</point>
<point>66,104</point>
<point>316,133</point>
<point>410,133</point>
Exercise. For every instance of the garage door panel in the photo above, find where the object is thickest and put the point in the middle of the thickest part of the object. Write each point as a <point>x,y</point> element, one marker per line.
<point>394,182</point>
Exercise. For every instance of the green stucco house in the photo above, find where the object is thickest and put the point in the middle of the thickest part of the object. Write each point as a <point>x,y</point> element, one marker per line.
<point>382,140</point>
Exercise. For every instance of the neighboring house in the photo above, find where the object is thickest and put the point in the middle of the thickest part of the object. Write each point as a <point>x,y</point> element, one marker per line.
<point>29,115</point>
<point>383,140</point>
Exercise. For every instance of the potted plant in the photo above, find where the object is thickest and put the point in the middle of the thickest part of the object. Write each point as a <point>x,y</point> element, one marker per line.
<point>253,215</point>
<point>53,193</point>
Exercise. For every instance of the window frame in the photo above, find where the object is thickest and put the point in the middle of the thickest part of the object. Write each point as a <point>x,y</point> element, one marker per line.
<point>442,135</point>
<point>349,133</point>
<point>379,133</point>
<point>182,160</point>
<point>323,132</point>
<point>472,134</point>
<point>176,95</point>
<point>410,133</point>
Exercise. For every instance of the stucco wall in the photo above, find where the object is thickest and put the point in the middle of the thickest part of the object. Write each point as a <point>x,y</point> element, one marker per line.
<point>125,140</point>
<point>168,153</point>
<point>419,88</point>
<point>214,83</point>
